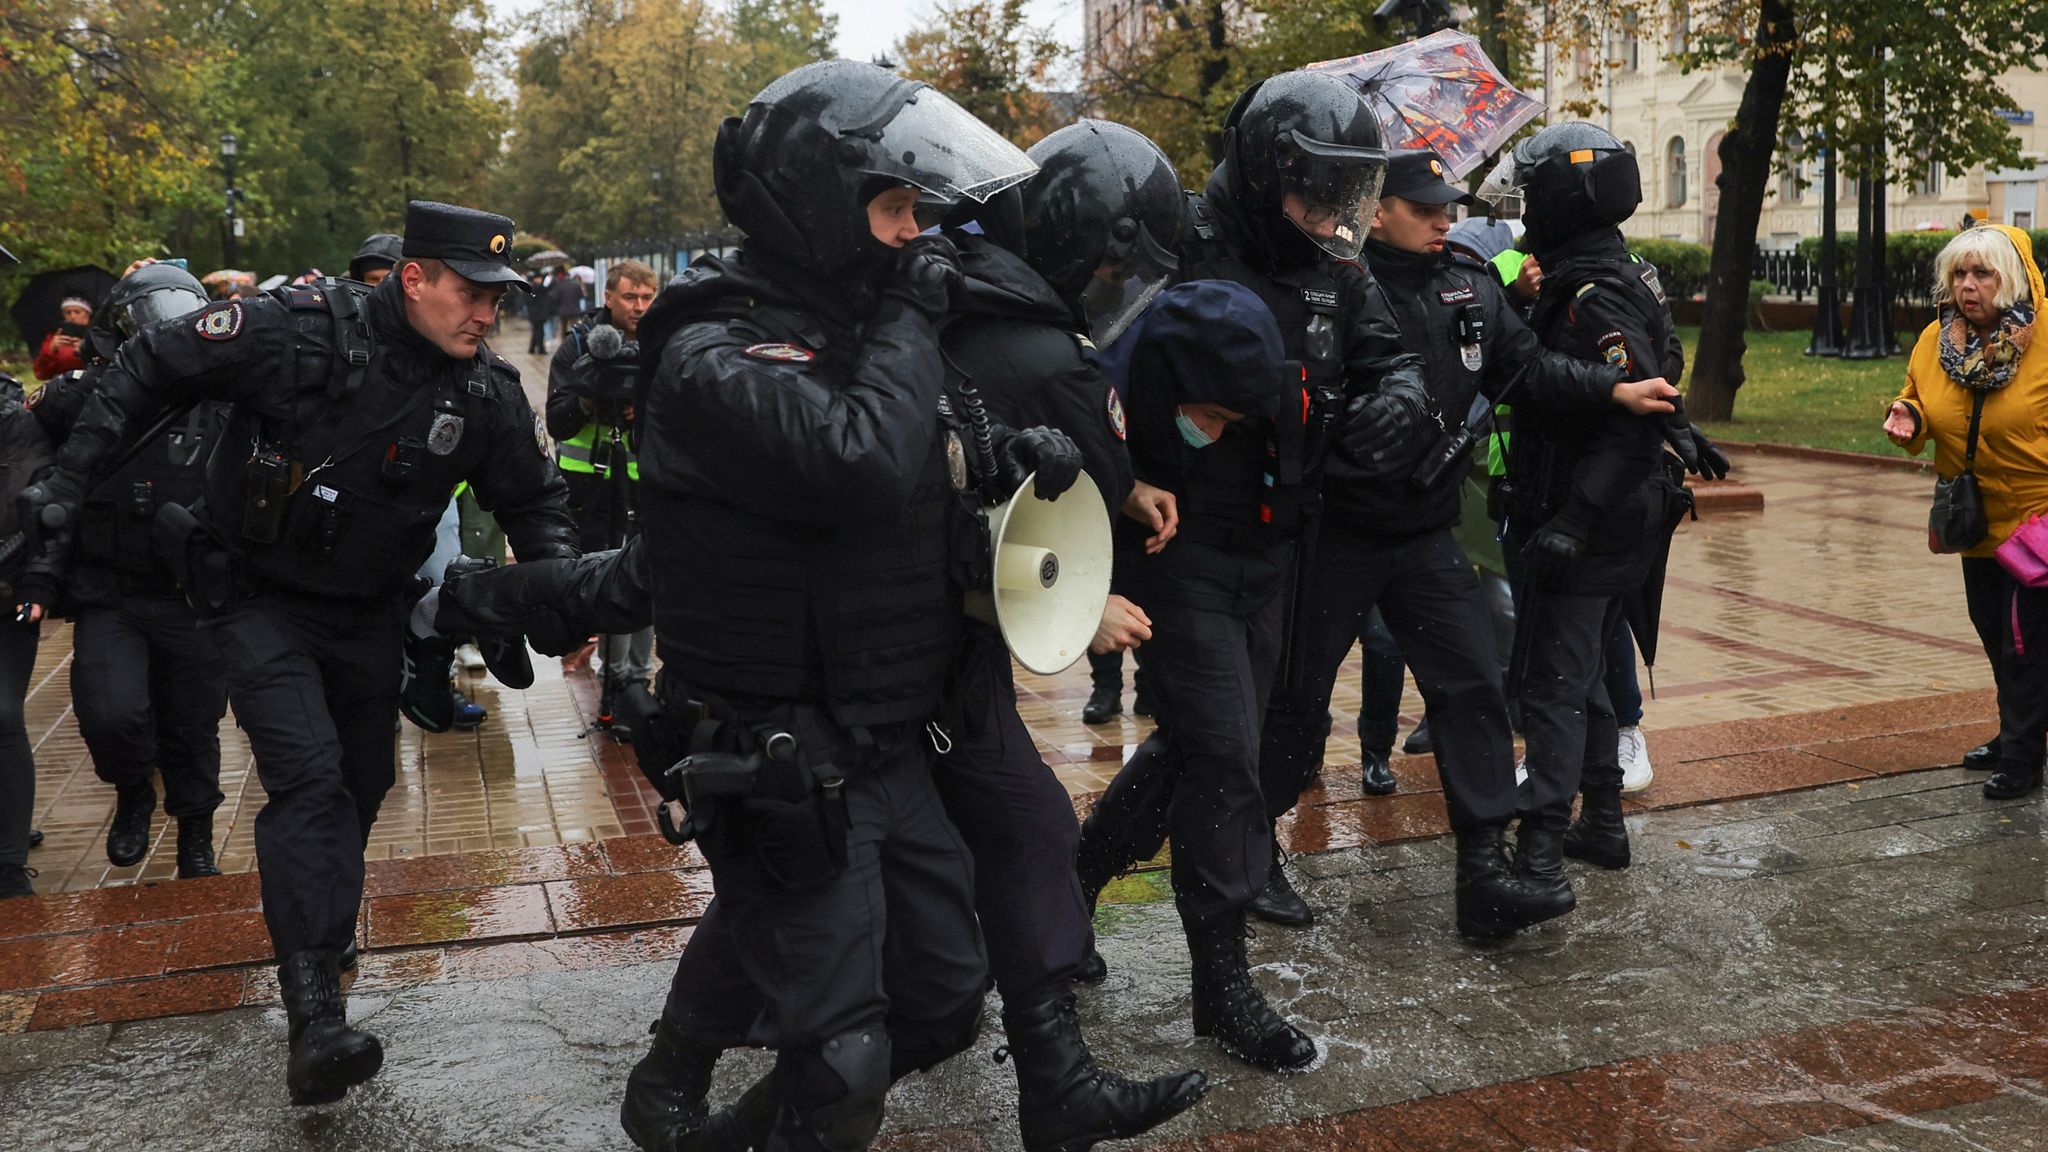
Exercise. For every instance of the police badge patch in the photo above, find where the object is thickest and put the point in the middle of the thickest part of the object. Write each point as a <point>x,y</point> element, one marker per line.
<point>445,433</point>
<point>221,323</point>
<point>1472,355</point>
<point>1116,414</point>
<point>1614,349</point>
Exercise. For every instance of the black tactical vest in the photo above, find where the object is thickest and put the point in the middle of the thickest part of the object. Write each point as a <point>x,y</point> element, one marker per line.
<point>115,553</point>
<point>866,621</point>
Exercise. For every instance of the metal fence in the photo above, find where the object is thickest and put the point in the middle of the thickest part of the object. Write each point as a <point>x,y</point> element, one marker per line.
<point>1911,282</point>
<point>668,255</point>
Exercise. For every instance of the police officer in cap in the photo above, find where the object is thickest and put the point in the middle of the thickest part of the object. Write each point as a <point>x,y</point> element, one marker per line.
<point>1286,214</point>
<point>1210,396</point>
<point>1590,499</point>
<point>357,412</point>
<point>146,679</point>
<point>1387,539</point>
<point>799,509</point>
<point>374,261</point>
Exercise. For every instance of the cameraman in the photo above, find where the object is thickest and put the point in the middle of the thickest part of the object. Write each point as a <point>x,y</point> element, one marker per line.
<point>589,415</point>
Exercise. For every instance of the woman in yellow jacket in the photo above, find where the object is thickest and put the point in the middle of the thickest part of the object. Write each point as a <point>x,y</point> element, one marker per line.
<point>1987,287</point>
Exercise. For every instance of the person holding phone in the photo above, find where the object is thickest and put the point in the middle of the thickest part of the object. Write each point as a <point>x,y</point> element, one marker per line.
<point>60,351</point>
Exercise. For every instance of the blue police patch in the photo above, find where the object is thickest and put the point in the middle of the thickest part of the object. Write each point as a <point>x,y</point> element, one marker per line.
<point>221,322</point>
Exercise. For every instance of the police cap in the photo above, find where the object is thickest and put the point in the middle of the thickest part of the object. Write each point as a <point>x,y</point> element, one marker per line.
<point>1419,175</point>
<point>477,245</point>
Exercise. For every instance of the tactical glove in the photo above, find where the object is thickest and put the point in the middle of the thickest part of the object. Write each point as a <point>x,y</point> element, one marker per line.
<point>925,274</point>
<point>1379,432</point>
<point>1701,456</point>
<point>1046,451</point>
<point>49,509</point>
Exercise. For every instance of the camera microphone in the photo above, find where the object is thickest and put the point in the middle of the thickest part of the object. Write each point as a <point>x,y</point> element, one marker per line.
<point>605,342</point>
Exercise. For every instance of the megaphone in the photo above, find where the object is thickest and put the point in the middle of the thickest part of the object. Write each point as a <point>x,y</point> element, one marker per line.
<point>1049,574</point>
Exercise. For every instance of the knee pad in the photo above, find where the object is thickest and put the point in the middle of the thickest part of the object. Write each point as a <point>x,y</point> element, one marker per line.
<point>922,1045</point>
<point>834,1091</point>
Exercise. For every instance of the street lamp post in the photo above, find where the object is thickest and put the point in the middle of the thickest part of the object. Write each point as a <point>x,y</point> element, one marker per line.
<point>231,220</point>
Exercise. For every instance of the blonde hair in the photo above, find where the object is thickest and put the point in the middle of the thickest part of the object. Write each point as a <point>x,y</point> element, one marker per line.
<point>1995,250</point>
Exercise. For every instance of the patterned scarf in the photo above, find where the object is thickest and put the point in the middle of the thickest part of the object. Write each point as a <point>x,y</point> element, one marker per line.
<point>1979,363</point>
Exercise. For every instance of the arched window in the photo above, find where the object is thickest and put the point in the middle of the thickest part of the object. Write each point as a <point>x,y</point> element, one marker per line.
<point>1674,173</point>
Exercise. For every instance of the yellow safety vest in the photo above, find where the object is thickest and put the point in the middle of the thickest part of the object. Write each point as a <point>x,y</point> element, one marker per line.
<point>579,453</point>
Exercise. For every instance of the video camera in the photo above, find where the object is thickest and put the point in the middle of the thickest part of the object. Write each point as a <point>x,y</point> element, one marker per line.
<point>608,374</point>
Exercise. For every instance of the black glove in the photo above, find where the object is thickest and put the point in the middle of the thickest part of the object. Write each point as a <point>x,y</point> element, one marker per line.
<point>1701,457</point>
<point>925,274</point>
<point>1379,433</point>
<point>1048,452</point>
<point>49,508</point>
<point>1553,550</point>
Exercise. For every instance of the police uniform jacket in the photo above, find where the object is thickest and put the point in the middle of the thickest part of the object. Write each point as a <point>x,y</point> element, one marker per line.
<point>1013,341</point>
<point>795,492</point>
<point>1601,476</point>
<point>371,425</point>
<point>114,552</point>
<point>1456,316</point>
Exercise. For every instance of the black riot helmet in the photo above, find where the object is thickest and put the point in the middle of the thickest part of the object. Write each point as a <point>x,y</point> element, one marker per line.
<point>380,250</point>
<point>1103,221</point>
<point>797,171</point>
<point>1305,139</point>
<point>148,295</point>
<point>1567,179</point>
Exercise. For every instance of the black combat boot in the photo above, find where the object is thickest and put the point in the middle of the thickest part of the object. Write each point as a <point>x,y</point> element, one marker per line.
<point>328,1057</point>
<point>667,1090</point>
<point>128,835</point>
<point>1375,775</point>
<point>1230,1008</point>
<point>1492,900</point>
<point>14,881</point>
<point>1064,1102</point>
<point>1539,856</point>
<point>1105,701</point>
<point>1278,902</point>
<point>1982,758</point>
<point>1420,742</point>
<point>1598,836</point>
<point>195,848</point>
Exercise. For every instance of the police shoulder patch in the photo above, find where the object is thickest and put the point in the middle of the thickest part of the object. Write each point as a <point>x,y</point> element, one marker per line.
<point>780,353</point>
<point>1116,414</point>
<point>1613,348</point>
<point>220,322</point>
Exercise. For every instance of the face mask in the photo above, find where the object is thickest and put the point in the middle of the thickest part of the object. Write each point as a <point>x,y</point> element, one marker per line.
<point>1192,432</point>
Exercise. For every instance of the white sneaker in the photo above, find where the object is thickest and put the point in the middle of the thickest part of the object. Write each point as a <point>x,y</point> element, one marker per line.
<point>1635,760</point>
<point>470,658</point>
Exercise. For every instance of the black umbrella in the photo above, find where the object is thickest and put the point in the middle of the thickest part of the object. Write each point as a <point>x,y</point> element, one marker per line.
<point>1643,605</point>
<point>39,310</point>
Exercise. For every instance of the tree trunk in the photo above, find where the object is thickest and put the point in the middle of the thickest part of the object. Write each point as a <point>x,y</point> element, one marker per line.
<point>1745,176</point>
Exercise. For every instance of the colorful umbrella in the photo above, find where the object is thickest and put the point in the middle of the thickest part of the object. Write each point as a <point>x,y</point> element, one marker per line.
<point>1439,92</point>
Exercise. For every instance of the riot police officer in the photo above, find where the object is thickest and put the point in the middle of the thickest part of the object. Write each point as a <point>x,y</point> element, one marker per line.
<point>798,510</point>
<point>1387,540</point>
<point>379,254</point>
<point>357,411</point>
<point>146,679</point>
<point>1216,421</point>
<point>1593,496</point>
<point>1285,214</point>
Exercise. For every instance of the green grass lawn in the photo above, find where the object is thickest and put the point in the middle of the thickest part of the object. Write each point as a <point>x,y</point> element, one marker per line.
<point>1792,398</point>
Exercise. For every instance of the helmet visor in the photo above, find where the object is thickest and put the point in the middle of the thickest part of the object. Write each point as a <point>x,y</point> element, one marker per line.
<point>1330,191</point>
<point>935,145</point>
<point>1501,191</point>
<point>1131,274</point>
<point>151,307</point>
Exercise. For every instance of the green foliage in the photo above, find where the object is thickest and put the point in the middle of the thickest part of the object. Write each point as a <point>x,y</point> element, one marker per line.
<point>1676,260</point>
<point>983,55</point>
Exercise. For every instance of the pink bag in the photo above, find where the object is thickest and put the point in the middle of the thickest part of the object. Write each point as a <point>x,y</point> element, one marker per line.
<point>2025,553</point>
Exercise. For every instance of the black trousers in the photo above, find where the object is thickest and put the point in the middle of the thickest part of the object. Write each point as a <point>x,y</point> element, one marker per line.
<point>1019,825</point>
<point>17,759</point>
<point>1425,588</point>
<point>891,941</point>
<point>2012,624</point>
<point>147,684</point>
<point>314,686</point>
<point>1567,717</point>
<point>1196,778</point>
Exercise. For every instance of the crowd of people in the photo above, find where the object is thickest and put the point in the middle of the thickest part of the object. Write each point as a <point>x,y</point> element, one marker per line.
<point>776,472</point>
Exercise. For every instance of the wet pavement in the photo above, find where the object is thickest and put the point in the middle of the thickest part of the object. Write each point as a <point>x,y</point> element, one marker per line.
<point>1853,966</point>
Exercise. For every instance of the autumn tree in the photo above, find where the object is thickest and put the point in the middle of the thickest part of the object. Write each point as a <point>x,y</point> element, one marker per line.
<point>984,55</point>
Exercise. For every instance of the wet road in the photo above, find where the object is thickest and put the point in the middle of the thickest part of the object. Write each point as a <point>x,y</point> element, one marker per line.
<point>1858,966</point>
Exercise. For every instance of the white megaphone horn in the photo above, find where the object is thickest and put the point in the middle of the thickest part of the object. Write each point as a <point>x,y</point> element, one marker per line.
<point>1049,574</point>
